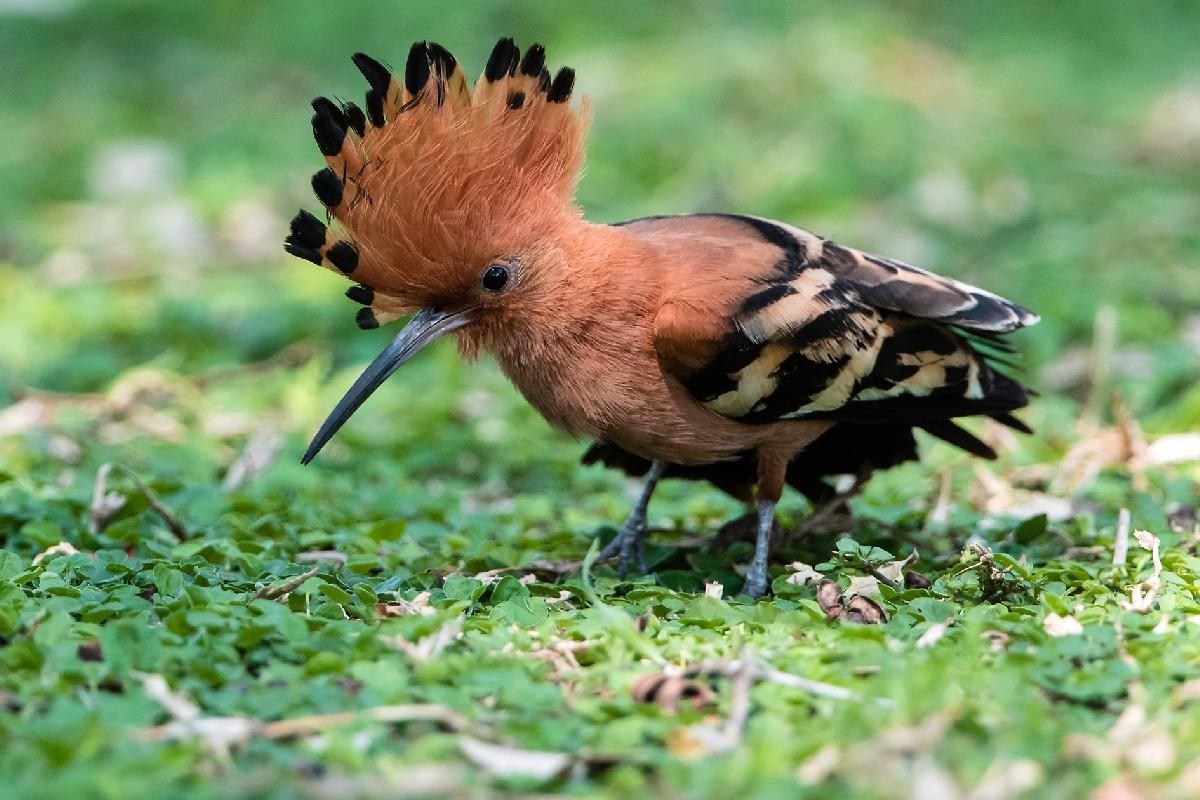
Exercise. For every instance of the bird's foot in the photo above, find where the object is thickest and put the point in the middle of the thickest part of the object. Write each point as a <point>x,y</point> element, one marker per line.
<point>756,582</point>
<point>756,577</point>
<point>627,546</point>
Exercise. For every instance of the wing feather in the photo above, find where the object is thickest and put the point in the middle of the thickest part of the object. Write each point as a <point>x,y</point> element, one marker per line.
<point>832,332</point>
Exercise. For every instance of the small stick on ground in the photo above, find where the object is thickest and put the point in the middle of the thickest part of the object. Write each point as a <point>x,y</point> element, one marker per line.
<point>765,672</point>
<point>739,700</point>
<point>274,591</point>
<point>412,712</point>
<point>1121,544</point>
<point>101,511</point>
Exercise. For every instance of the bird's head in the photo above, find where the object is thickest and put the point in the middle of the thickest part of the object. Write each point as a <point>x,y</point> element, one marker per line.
<point>447,202</point>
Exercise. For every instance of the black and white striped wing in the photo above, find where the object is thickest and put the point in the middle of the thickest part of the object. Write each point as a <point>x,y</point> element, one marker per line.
<point>838,334</point>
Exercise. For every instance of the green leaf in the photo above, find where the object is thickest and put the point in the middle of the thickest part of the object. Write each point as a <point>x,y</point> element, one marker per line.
<point>167,580</point>
<point>11,565</point>
<point>335,593</point>
<point>1031,529</point>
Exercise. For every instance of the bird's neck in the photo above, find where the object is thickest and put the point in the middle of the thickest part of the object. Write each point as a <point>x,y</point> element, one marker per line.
<point>571,352</point>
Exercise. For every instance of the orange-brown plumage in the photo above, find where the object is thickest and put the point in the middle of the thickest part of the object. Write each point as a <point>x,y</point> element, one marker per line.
<point>723,347</point>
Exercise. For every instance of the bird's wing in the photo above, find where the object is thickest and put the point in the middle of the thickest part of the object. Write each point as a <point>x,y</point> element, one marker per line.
<point>818,330</point>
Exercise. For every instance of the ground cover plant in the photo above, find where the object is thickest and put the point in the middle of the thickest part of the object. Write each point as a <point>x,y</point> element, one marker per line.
<point>186,611</point>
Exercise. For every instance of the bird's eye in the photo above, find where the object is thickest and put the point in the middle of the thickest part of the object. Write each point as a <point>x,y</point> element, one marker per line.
<point>495,278</point>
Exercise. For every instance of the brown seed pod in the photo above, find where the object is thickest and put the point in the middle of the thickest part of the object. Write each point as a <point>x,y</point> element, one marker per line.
<point>915,580</point>
<point>829,598</point>
<point>1183,519</point>
<point>860,608</point>
<point>89,651</point>
<point>669,691</point>
<point>865,611</point>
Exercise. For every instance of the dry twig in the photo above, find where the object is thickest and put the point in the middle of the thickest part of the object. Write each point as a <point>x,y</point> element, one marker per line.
<point>1121,544</point>
<point>275,591</point>
<point>104,505</point>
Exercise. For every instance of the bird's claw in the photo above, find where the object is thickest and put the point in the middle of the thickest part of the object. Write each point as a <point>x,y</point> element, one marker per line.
<point>756,583</point>
<point>627,546</point>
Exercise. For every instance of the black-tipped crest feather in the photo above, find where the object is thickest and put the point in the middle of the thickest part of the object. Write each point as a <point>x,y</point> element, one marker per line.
<point>307,230</point>
<point>356,120</point>
<point>503,60</point>
<point>416,70</point>
<point>361,294</point>
<point>376,74</point>
<point>560,89</point>
<point>344,256</point>
<point>328,133</point>
<point>323,105</point>
<point>374,102</point>
<point>534,60</point>
<point>328,188</point>
<point>365,319</point>
<point>299,251</point>
<point>442,59</point>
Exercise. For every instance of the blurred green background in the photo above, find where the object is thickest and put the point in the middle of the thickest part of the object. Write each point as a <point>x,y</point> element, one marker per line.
<point>153,154</point>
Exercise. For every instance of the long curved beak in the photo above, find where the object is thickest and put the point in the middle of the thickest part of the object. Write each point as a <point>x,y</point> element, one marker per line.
<point>425,326</point>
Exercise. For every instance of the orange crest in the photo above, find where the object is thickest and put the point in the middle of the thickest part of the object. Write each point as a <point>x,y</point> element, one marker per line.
<point>434,179</point>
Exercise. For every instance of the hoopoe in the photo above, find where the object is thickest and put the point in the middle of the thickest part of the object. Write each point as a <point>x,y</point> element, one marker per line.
<point>719,347</point>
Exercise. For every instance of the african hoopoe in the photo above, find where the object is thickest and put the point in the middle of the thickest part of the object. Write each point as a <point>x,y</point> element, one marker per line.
<point>723,347</point>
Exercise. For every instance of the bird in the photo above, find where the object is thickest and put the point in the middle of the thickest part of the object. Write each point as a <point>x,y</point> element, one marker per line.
<point>718,347</point>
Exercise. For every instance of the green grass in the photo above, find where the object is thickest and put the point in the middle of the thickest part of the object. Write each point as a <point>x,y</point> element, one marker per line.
<point>150,319</point>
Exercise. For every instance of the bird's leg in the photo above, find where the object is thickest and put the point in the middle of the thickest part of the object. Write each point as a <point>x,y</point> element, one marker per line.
<point>628,542</point>
<point>756,576</point>
<point>772,471</point>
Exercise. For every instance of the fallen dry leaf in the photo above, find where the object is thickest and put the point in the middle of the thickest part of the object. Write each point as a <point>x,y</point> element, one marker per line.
<point>400,607</point>
<point>892,572</point>
<point>1171,128</point>
<point>513,762</point>
<point>1143,595</point>
<point>934,633</point>
<point>1061,626</point>
<point>431,646</point>
<point>997,639</point>
<point>863,585</point>
<point>260,451</point>
<point>60,549</point>
<point>930,781</point>
<point>177,704</point>
<point>670,691</point>
<point>1152,752</point>
<point>1123,787</point>
<point>1186,692</point>
<point>688,743</point>
<point>1174,448</point>
<point>1004,780</point>
<point>819,766</point>
<point>802,574</point>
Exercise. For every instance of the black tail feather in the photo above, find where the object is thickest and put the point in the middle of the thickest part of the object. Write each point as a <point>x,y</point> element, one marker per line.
<point>947,431</point>
<point>1010,421</point>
